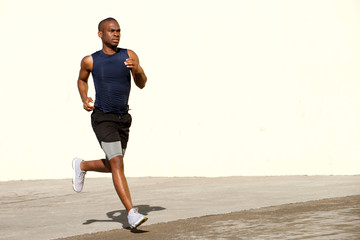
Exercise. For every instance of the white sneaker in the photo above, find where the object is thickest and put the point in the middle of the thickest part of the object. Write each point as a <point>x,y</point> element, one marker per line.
<point>79,176</point>
<point>135,218</point>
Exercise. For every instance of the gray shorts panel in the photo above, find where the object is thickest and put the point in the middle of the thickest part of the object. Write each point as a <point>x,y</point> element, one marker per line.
<point>112,149</point>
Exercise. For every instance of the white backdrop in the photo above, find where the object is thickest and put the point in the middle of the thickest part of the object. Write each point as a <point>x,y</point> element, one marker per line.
<point>234,87</point>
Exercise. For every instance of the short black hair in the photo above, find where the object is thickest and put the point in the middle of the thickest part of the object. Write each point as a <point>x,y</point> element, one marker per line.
<point>101,24</point>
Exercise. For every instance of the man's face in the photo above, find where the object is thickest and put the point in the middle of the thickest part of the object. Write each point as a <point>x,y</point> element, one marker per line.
<point>110,34</point>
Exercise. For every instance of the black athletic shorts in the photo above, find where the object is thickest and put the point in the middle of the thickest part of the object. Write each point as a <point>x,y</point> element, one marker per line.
<point>111,127</point>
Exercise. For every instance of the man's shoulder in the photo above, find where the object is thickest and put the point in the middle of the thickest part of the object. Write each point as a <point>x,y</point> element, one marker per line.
<point>87,62</point>
<point>132,54</point>
<point>87,58</point>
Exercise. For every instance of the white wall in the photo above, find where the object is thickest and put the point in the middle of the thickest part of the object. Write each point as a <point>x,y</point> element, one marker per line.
<point>234,87</point>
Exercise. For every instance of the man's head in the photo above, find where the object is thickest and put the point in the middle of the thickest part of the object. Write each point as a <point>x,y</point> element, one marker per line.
<point>109,32</point>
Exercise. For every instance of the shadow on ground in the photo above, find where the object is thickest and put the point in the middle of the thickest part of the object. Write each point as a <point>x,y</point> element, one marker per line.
<point>120,216</point>
<point>332,218</point>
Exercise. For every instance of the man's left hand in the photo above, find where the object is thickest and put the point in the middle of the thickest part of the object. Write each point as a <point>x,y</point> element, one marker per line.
<point>132,63</point>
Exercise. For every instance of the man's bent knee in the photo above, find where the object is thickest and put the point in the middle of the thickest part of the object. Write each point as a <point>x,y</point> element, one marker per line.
<point>117,162</point>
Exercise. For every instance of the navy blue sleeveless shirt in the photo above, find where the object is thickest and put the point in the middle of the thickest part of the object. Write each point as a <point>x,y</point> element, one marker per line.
<point>112,81</point>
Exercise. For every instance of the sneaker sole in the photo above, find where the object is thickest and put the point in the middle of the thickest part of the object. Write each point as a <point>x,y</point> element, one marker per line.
<point>144,219</point>
<point>73,167</point>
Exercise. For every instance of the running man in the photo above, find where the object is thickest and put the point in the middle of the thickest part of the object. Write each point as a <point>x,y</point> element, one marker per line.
<point>110,69</point>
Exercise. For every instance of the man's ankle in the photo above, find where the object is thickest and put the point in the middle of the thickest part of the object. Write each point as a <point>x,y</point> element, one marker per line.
<point>82,165</point>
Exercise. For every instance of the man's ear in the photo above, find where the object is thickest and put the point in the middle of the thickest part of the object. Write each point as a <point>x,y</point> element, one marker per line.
<point>100,34</point>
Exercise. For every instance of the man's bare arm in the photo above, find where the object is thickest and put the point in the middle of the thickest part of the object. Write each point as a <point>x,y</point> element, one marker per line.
<point>85,70</point>
<point>136,70</point>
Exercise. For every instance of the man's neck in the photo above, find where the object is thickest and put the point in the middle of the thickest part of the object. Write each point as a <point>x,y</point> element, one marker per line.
<point>109,50</point>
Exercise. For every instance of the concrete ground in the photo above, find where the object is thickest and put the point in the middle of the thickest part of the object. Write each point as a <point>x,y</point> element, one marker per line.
<point>184,208</point>
<point>331,218</point>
